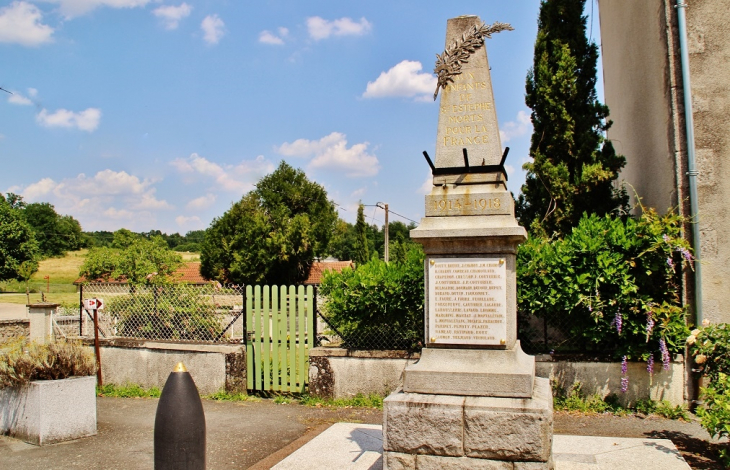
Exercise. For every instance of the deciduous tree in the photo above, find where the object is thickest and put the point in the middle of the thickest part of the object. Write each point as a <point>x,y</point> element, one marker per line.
<point>18,245</point>
<point>272,234</point>
<point>141,262</point>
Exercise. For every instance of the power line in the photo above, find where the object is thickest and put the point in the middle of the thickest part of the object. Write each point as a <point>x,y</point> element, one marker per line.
<point>392,212</point>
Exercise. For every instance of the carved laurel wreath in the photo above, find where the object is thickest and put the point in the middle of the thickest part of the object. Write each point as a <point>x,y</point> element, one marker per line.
<point>449,62</point>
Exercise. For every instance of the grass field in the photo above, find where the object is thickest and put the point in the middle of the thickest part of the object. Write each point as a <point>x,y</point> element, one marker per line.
<point>62,272</point>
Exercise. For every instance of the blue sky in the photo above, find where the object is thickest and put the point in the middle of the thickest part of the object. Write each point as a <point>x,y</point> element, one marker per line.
<point>159,114</point>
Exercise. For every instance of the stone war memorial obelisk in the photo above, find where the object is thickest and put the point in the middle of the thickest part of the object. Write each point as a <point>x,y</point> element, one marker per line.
<point>472,401</point>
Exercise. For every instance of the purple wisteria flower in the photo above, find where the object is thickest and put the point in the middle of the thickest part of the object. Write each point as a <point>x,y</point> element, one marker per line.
<point>686,254</point>
<point>670,263</point>
<point>665,237</point>
<point>624,379</point>
<point>650,365</point>
<point>665,354</point>
<point>618,321</point>
<point>649,326</point>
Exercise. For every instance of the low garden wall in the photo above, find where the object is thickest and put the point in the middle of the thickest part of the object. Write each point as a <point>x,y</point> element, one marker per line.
<point>214,367</point>
<point>12,329</point>
<point>604,378</point>
<point>336,372</point>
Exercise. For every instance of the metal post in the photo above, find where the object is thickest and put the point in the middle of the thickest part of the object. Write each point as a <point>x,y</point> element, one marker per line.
<point>315,341</point>
<point>96,348</point>
<point>81,310</point>
<point>387,235</point>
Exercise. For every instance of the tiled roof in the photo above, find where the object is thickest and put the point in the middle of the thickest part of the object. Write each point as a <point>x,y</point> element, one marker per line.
<point>319,267</point>
<point>188,272</point>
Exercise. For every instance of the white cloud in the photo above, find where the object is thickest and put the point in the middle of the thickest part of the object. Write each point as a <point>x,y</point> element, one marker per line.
<point>100,200</point>
<point>72,8</point>
<point>358,193</point>
<point>331,152</point>
<point>213,29</point>
<point>17,98</point>
<point>20,23</point>
<point>39,189</point>
<point>86,120</point>
<point>202,202</point>
<point>171,15</point>
<point>427,185</point>
<point>319,28</point>
<point>403,80</point>
<point>267,37</point>
<point>517,128</point>
<point>234,178</point>
<point>189,222</point>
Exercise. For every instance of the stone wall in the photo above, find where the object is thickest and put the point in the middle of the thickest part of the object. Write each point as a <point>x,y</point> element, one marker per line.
<point>214,367</point>
<point>604,378</point>
<point>336,373</point>
<point>12,329</point>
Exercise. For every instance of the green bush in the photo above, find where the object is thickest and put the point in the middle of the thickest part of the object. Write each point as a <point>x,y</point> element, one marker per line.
<point>22,362</point>
<point>610,286</point>
<point>377,300</point>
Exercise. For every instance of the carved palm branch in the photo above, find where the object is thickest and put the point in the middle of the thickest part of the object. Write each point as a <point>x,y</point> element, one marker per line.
<point>449,62</point>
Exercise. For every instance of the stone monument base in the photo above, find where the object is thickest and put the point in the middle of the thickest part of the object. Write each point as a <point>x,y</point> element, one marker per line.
<point>476,372</point>
<point>424,431</point>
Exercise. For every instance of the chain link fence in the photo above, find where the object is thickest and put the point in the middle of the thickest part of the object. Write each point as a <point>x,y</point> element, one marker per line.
<point>373,336</point>
<point>539,334</point>
<point>180,312</point>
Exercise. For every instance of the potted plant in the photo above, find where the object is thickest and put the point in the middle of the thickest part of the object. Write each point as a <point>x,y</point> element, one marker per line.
<point>47,391</point>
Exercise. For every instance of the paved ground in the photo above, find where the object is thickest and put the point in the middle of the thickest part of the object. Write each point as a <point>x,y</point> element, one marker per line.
<point>360,446</point>
<point>12,311</point>
<point>258,435</point>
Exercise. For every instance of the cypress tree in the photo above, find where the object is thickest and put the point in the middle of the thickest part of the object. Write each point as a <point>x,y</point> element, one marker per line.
<point>574,166</point>
<point>362,252</point>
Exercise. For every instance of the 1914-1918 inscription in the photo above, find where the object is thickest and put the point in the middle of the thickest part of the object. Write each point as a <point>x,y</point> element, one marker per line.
<point>467,301</point>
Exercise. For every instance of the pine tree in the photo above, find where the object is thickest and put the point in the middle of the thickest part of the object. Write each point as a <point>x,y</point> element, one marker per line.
<point>362,251</point>
<point>573,167</point>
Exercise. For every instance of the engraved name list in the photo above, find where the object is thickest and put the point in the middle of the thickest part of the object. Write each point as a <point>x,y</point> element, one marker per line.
<point>467,301</point>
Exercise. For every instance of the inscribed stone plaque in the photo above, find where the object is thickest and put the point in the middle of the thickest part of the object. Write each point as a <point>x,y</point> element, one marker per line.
<point>495,203</point>
<point>467,301</point>
<point>467,117</point>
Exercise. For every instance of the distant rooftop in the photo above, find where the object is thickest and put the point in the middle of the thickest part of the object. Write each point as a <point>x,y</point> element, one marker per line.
<point>318,268</point>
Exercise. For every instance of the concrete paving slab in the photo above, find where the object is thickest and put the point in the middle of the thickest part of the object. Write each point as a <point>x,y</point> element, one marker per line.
<point>359,446</point>
<point>342,446</point>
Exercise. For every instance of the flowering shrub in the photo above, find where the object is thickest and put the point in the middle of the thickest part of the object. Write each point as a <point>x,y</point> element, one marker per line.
<point>611,284</point>
<point>710,346</point>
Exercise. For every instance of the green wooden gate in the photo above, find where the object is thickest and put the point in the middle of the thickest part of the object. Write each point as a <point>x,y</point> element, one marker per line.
<point>280,331</point>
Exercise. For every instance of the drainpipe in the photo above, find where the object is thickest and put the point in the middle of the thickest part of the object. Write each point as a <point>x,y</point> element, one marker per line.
<point>691,163</point>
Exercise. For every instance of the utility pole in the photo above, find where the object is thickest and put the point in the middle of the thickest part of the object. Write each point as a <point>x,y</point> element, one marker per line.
<point>387,236</point>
